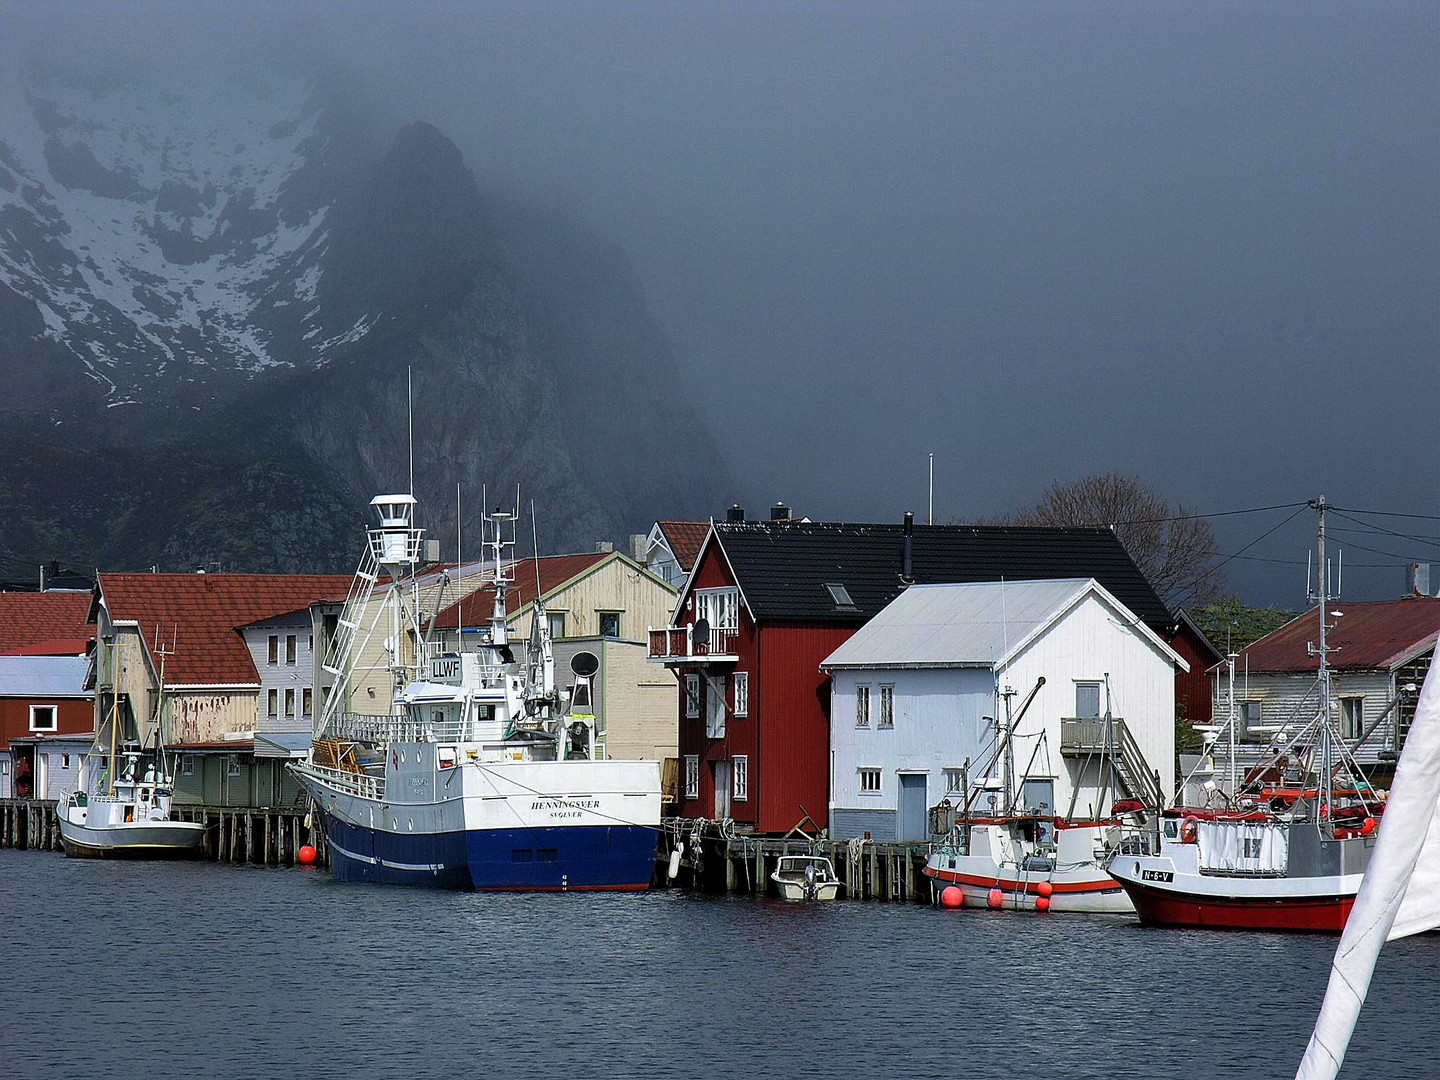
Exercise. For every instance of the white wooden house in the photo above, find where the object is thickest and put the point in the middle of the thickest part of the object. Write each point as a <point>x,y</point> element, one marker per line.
<point>916,693</point>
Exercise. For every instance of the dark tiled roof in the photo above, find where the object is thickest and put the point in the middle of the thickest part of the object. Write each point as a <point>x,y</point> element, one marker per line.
<point>555,570</point>
<point>1370,636</point>
<point>200,614</point>
<point>684,538</point>
<point>783,568</point>
<point>30,619</point>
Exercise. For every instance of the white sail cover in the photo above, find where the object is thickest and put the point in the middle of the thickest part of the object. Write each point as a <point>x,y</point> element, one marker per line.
<point>1401,891</point>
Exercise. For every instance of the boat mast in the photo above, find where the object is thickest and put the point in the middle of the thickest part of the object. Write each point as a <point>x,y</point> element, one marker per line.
<point>1322,593</point>
<point>1007,763</point>
<point>114,713</point>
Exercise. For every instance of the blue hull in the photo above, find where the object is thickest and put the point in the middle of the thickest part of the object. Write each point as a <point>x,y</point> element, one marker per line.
<point>577,857</point>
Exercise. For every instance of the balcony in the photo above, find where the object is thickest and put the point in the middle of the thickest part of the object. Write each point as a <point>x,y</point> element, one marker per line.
<point>1088,736</point>
<point>677,644</point>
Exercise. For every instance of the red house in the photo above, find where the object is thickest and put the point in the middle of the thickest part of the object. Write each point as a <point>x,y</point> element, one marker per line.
<point>1193,699</point>
<point>767,601</point>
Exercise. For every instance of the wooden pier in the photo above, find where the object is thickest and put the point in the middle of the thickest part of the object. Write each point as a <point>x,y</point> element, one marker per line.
<point>261,836</point>
<point>869,869</point>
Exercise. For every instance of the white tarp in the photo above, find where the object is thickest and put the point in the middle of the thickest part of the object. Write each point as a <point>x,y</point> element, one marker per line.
<point>1242,847</point>
<point>1401,891</point>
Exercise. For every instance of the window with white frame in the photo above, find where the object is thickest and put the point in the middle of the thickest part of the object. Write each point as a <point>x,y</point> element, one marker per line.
<point>740,682</point>
<point>306,700</point>
<point>862,706</point>
<point>954,781</point>
<point>272,702</point>
<point>556,619</point>
<point>232,765</point>
<point>43,717</point>
<point>692,695</point>
<point>64,761</point>
<point>740,777</point>
<point>869,781</point>
<point>274,651</point>
<point>692,776</point>
<point>290,648</point>
<point>187,764</point>
<point>289,701</point>
<point>714,710</point>
<point>719,607</point>
<point>887,706</point>
<point>1352,717</point>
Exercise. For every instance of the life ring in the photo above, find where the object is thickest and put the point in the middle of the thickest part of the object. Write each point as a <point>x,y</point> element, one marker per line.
<point>1188,831</point>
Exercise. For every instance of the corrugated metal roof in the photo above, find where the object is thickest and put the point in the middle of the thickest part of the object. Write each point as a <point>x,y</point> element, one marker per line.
<point>29,619</point>
<point>957,624</point>
<point>43,676</point>
<point>1374,635</point>
<point>783,568</point>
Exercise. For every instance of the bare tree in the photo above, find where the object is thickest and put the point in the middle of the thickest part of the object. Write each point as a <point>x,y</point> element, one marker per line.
<point>1174,550</point>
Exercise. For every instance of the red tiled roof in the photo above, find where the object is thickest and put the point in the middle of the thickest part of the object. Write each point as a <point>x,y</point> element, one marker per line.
<point>555,570</point>
<point>684,538</point>
<point>201,614</point>
<point>1369,636</point>
<point>31,619</point>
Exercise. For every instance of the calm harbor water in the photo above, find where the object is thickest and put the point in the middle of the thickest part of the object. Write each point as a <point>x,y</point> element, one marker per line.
<point>176,970</point>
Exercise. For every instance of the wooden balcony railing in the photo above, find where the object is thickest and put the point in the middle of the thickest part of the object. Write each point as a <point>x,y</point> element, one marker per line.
<point>678,643</point>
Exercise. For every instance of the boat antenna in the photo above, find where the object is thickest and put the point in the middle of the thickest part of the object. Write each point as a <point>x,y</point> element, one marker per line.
<point>535,547</point>
<point>410,423</point>
<point>459,617</point>
<point>930,519</point>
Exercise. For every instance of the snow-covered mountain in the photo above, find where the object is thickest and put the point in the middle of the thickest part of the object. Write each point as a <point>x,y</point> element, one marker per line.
<point>234,282</point>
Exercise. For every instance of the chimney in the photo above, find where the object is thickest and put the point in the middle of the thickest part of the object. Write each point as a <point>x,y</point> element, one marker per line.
<point>604,546</point>
<point>907,551</point>
<point>780,512</point>
<point>1418,578</point>
<point>637,547</point>
<point>735,513</point>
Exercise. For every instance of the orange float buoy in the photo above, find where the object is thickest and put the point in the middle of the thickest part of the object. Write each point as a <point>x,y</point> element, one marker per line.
<point>951,896</point>
<point>306,855</point>
<point>1042,903</point>
<point>1045,889</point>
<point>996,899</point>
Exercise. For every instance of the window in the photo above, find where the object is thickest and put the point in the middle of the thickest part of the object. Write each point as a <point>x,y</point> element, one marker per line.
<point>556,619</point>
<point>1352,717</point>
<point>274,649</point>
<point>187,764</point>
<point>1250,716</point>
<point>289,648</point>
<point>869,781</point>
<point>954,781</point>
<point>839,594</point>
<point>289,701</point>
<point>714,710</point>
<point>273,702</point>
<point>719,607</point>
<point>887,706</point>
<point>862,706</point>
<point>692,695</point>
<point>42,717</point>
<point>1087,700</point>
<point>740,684</point>
<point>306,700</point>
<point>692,776</point>
<point>740,777</point>
<point>64,761</point>
<point>609,623</point>
<point>232,765</point>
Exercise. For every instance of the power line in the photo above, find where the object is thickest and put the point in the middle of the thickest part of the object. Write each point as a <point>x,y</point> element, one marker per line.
<point>1215,514</point>
<point>1302,508</point>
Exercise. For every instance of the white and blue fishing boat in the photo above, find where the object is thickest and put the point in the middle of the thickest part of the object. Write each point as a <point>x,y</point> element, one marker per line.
<point>475,771</point>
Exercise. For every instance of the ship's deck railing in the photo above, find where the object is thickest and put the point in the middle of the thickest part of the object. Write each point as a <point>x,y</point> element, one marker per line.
<point>364,727</point>
<point>361,784</point>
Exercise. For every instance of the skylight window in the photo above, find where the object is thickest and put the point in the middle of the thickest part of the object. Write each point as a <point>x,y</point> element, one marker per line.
<point>839,594</point>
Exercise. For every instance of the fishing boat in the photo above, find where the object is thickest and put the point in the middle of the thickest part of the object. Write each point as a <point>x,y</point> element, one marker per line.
<point>1288,847</point>
<point>479,773</point>
<point>128,815</point>
<point>805,877</point>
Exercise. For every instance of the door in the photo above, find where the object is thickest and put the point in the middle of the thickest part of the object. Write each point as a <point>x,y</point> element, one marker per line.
<point>912,824</point>
<point>721,772</point>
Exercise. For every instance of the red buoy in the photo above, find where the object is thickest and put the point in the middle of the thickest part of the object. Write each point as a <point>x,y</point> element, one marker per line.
<point>996,899</point>
<point>951,896</point>
<point>306,855</point>
<point>1042,903</point>
<point>1045,889</point>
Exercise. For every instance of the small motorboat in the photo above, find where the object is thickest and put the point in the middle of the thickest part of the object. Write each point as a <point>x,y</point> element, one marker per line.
<point>805,877</point>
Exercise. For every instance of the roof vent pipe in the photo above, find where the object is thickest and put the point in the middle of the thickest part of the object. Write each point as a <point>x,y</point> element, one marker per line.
<point>736,513</point>
<point>907,567</point>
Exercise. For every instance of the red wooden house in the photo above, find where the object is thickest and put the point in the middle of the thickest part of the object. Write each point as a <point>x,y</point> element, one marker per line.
<point>767,601</point>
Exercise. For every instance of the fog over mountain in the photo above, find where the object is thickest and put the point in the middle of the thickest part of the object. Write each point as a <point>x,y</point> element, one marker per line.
<point>1195,244</point>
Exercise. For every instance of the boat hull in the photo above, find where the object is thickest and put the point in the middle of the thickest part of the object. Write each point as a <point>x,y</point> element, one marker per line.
<point>1090,890</point>
<point>139,840</point>
<point>557,858</point>
<point>1302,914</point>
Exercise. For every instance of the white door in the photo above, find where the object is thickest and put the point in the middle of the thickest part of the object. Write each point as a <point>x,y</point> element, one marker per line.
<point>721,770</point>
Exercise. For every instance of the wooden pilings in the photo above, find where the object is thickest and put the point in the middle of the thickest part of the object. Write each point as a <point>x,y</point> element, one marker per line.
<point>263,836</point>
<point>870,870</point>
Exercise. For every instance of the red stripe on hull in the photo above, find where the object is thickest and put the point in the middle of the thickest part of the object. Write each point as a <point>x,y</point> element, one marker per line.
<point>1315,915</point>
<point>1099,885</point>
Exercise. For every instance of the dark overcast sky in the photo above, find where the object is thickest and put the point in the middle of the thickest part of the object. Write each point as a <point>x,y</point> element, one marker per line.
<point>1193,242</point>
